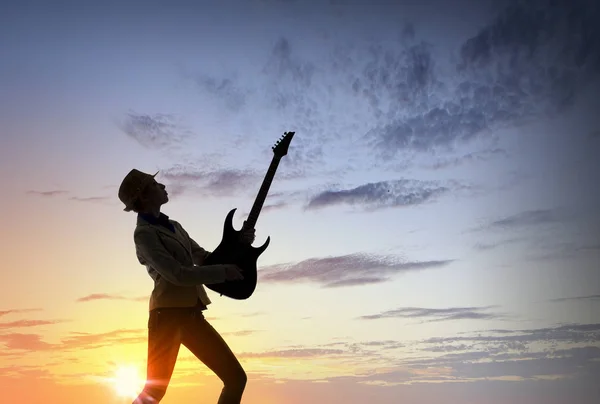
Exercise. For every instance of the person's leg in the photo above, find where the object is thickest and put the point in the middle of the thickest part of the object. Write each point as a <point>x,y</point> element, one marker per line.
<point>164,339</point>
<point>208,346</point>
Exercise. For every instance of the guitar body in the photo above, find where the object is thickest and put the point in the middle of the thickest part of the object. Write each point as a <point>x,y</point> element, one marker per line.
<point>232,251</point>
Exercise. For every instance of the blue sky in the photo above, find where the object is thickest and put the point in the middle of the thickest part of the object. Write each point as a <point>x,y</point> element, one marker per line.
<point>436,209</point>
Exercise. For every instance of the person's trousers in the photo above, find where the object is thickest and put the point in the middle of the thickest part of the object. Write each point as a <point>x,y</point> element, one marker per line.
<point>168,328</point>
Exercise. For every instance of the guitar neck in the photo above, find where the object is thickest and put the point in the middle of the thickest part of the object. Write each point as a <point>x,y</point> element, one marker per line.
<point>262,193</point>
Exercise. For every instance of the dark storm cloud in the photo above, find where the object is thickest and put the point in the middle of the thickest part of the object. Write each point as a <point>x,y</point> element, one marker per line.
<point>380,195</point>
<point>153,131</point>
<point>451,313</point>
<point>346,270</point>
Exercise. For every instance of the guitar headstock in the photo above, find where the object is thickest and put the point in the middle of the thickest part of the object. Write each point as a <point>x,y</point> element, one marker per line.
<point>281,147</point>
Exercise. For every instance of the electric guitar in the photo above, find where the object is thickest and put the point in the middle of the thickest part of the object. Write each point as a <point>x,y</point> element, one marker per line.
<point>231,250</point>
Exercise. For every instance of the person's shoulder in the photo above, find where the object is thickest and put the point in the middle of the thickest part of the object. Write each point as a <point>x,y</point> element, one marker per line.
<point>142,228</point>
<point>176,224</point>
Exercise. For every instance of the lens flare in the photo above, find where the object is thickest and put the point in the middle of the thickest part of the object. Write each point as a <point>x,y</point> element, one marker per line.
<point>127,381</point>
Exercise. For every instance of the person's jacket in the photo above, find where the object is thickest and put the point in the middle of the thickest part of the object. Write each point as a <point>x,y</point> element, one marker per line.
<point>174,262</point>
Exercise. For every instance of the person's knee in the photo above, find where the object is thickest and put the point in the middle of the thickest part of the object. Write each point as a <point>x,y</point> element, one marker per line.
<point>243,378</point>
<point>238,379</point>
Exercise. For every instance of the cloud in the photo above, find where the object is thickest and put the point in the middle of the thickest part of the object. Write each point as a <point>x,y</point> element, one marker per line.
<point>26,342</point>
<point>108,296</point>
<point>380,195</point>
<point>518,355</point>
<point>225,89</point>
<point>13,311</point>
<point>290,75</point>
<point>27,323</point>
<point>355,282</point>
<point>74,341</point>
<point>345,270</point>
<point>494,245</point>
<point>48,193</point>
<point>554,248</point>
<point>452,313</point>
<point>90,199</point>
<point>274,206</point>
<point>54,193</point>
<point>157,131</point>
<point>484,364</point>
<point>528,218</point>
<point>525,30</point>
<point>402,94</point>
<point>84,340</point>
<point>569,333</point>
<point>561,351</point>
<point>211,182</point>
<point>240,333</point>
<point>577,298</point>
<point>528,62</point>
<point>24,371</point>
<point>478,156</point>
<point>292,353</point>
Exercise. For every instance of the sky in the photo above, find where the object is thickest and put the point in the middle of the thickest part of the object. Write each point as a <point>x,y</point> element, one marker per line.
<point>434,232</point>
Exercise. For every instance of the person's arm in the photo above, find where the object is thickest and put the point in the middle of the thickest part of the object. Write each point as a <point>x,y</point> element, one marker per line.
<point>152,251</point>
<point>198,253</point>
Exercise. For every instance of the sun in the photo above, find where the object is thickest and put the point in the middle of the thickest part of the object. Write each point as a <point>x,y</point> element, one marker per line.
<point>127,381</point>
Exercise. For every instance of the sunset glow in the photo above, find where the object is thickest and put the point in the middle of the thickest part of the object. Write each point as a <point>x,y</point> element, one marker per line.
<point>127,381</point>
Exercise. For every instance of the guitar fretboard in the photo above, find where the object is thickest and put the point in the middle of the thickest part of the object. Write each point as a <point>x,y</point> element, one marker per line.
<point>262,193</point>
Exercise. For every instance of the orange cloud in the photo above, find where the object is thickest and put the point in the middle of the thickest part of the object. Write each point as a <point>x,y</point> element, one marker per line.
<point>11,311</point>
<point>28,323</point>
<point>108,296</point>
<point>28,342</point>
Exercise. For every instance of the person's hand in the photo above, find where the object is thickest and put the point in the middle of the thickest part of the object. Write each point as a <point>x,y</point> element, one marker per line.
<point>247,235</point>
<point>233,272</point>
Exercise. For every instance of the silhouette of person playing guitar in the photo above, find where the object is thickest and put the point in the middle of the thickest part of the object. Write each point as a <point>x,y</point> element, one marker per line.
<point>175,263</point>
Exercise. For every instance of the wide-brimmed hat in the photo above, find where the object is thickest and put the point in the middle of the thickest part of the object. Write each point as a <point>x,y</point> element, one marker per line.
<point>132,186</point>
